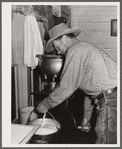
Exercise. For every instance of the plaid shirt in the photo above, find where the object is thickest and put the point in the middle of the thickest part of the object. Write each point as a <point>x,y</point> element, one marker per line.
<point>87,68</point>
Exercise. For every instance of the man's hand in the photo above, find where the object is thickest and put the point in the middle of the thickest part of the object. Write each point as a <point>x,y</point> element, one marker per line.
<point>85,125</point>
<point>40,108</point>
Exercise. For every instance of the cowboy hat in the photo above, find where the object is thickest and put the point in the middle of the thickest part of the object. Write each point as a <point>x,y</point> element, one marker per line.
<point>60,30</point>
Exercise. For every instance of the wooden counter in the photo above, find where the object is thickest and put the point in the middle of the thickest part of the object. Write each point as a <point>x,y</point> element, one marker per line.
<point>21,134</point>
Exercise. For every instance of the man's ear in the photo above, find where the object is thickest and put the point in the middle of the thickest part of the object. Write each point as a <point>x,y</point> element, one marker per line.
<point>64,38</point>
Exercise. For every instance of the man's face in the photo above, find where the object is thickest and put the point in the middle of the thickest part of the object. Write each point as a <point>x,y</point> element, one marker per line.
<point>60,45</point>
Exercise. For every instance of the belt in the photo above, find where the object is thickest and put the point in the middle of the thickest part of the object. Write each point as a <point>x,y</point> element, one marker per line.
<point>107,93</point>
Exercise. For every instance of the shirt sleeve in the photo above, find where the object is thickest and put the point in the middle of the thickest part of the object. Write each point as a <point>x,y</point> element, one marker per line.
<point>71,77</point>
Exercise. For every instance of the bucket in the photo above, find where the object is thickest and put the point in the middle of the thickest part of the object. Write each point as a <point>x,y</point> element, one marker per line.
<point>27,113</point>
<point>48,133</point>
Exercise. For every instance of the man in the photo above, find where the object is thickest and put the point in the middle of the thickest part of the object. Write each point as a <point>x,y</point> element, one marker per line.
<point>87,68</point>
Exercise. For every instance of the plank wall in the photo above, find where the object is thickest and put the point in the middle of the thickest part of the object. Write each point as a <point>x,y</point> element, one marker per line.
<point>95,22</point>
<point>18,57</point>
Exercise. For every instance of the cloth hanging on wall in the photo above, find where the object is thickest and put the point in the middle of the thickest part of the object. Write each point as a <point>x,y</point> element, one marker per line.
<point>32,41</point>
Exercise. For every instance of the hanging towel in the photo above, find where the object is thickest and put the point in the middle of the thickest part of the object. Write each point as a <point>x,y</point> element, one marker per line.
<point>32,42</point>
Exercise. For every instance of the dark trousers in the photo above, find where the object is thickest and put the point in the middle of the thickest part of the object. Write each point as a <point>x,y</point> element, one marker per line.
<point>106,125</point>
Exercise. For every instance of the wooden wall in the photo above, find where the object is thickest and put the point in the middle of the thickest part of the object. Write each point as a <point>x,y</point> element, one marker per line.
<point>95,22</point>
<point>18,57</point>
